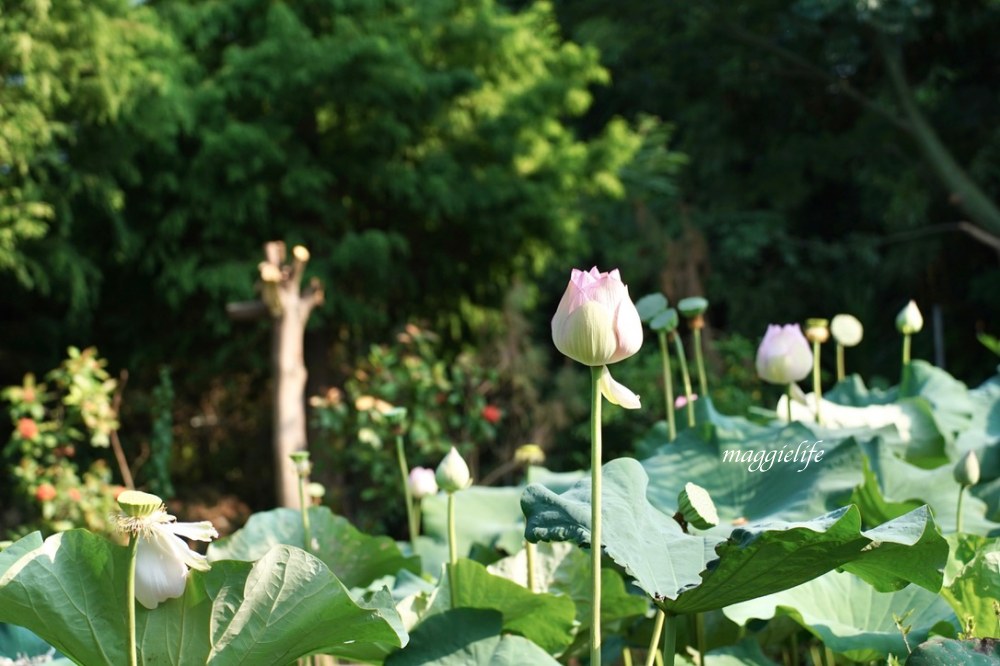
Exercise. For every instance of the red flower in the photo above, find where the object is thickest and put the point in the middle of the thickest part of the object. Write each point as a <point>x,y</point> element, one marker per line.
<point>27,428</point>
<point>45,492</point>
<point>74,494</point>
<point>492,413</point>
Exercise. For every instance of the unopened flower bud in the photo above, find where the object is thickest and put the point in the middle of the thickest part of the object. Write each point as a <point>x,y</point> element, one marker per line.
<point>966,471</point>
<point>422,482</point>
<point>909,320</point>
<point>847,330</point>
<point>817,330</point>
<point>453,474</point>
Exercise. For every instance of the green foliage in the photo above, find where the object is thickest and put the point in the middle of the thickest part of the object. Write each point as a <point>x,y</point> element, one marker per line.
<point>972,584</point>
<point>941,652</point>
<point>51,421</point>
<point>445,401</point>
<point>161,439</point>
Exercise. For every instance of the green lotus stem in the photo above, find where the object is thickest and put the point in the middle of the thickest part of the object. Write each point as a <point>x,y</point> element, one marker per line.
<point>669,639</point>
<point>595,515</point>
<point>817,657</point>
<point>840,363</point>
<point>668,384</point>
<point>687,379</point>
<point>906,349</point>
<point>654,641</point>
<point>304,509</point>
<point>830,659</point>
<point>529,551</point>
<point>958,510</point>
<point>817,383</point>
<point>699,359</point>
<point>626,656</point>
<point>795,647</point>
<point>789,404</point>
<point>404,472</point>
<point>699,637</point>
<point>133,547</point>
<point>452,550</point>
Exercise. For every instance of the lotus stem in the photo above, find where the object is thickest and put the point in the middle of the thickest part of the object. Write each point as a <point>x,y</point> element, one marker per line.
<point>304,510</point>
<point>452,550</point>
<point>133,547</point>
<point>788,405</point>
<point>699,359</point>
<point>840,363</point>
<point>595,516</point>
<point>699,637</point>
<point>626,656</point>
<point>404,472</point>
<point>958,509</point>
<point>817,382</point>
<point>668,384</point>
<point>687,379</point>
<point>654,641</point>
<point>669,640</point>
<point>529,552</point>
<point>906,349</point>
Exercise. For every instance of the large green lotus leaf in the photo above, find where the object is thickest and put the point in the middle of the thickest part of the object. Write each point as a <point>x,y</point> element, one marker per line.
<point>686,574</point>
<point>562,568</point>
<point>487,517</point>
<point>63,589</point>
<point>902,482</point>
<point>949,652</point>
<point>286,605</point>
<point>851,617</point>
<point>354,557</point>
<point>949,398</point>
<point>972,583</point>
<point>851,391</point>
<point>545,619</point>
<point>464,636</point>
<point>786,491</point>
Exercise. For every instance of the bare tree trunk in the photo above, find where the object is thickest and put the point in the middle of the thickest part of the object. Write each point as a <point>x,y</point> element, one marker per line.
<point>289,306</point>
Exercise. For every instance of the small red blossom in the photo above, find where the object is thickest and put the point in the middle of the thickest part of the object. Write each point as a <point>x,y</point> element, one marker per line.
<point>492,414</point>
<point>74,494</point>
<point>27,428</point>
<point>45,492</point>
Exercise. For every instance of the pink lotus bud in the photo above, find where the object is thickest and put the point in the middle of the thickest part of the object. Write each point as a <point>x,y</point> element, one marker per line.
<point>784,355</point>
<point>596,322</point>
<point>422,482</point>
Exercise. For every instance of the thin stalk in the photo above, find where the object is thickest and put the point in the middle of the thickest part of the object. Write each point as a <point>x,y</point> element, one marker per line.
<point>816,655</point>
<point>699,359</point>
<point>699,637</point>
<point>788,405</point>
<point>595,516</point>
<point>529,551</point>
<point>906,349</point>
<point>830,659</point>
<point>958,509</point>
<point>795,647</point>
<point>626,656</point>
<point>668,384</point>
<point>840,363</point>
<point>133,547</point>
<point>404,472</point>
<point>817,383</point>
<point>452,550</point>
<point>304,508</point>
<point>687,379</point>
<point>669,640</point>
<point>654,641</point>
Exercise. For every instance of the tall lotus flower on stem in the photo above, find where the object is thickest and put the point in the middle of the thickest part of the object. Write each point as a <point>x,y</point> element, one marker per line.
<point>158,559</point>
<point>847,331</point>
<point>303,468</point>
<point>783,357</point>
<point>453,475</point>
<point>422,483</point>
<point>966,472</point>
<point>817,332</point>
<point>909,321</point>
<point>595,324</point>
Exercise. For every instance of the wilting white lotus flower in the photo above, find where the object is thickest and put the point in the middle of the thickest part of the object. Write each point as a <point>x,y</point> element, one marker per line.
<point>162,559</point>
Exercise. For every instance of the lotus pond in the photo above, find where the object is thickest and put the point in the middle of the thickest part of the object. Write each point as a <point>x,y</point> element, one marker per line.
<point>845,525</point>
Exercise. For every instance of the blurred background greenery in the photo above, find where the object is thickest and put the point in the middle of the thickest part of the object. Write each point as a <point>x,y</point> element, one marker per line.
<point>447,162</point>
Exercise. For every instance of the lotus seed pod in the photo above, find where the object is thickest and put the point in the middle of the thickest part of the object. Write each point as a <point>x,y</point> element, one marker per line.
<point>650,305</point>
<point>137,504</point>
<point>909,320</point>
<point>301,461</point>
<point>817,330</point>
<point>966,471</point>
<point>666,321</point>
<point>697,507</point>
<point>692,306</point>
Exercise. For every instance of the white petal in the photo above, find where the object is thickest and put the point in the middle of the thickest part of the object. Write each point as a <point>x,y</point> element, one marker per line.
<point>615,393</point>
<point>159,575</point>
<point>201,531</point>
<point>178,549</point>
